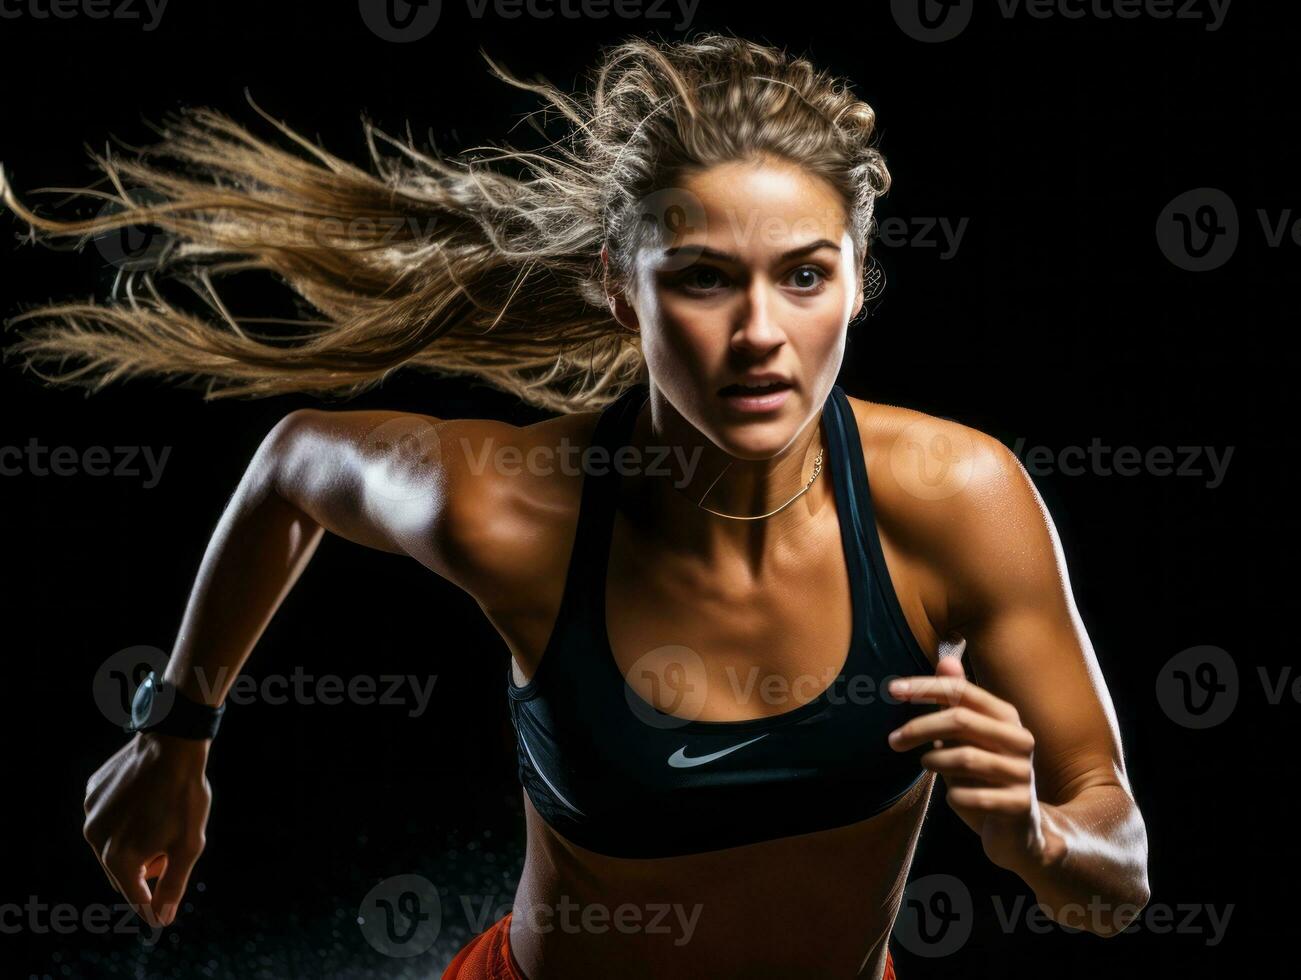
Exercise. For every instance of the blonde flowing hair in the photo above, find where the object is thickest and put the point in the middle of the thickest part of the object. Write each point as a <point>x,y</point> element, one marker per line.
<point>487,265</point>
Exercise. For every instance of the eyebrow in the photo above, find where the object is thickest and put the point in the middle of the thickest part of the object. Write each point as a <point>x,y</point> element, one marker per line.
<point>704,251</point>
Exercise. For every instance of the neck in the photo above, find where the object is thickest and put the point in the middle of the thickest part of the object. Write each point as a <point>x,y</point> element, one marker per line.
<point>667,498</point>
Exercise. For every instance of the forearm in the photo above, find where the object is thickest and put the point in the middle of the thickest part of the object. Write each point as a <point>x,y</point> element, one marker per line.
<point>1093,872</point>
<point>259,548</point>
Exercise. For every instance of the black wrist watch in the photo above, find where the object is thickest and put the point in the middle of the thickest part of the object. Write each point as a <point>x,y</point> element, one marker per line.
<point>160,707</point>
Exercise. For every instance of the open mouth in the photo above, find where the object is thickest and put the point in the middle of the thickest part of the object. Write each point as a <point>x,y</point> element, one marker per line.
<point>764,397</point>
<point>763,388</point>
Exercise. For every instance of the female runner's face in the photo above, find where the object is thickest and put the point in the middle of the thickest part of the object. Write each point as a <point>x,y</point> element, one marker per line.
<point>759,277</point>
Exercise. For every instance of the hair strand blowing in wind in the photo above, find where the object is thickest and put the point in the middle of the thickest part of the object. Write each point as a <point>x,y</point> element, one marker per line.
<point>487,264</point>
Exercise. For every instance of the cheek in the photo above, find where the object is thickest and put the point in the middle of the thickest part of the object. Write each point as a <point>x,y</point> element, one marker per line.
<point>819,328</point>
<point>820,342</point>
<point>832,330</point>
<point>683,338</point>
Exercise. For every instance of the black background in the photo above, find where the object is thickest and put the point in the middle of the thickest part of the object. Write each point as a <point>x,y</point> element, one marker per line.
<point>1058,320</point>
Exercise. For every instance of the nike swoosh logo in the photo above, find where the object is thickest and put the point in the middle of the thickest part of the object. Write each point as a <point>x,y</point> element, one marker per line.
<point>680,760</point>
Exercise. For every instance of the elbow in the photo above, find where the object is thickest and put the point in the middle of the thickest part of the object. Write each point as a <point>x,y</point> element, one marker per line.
<point>1140,887</point>
<point>1107,917</point>
<point>1125,914</point>
<point>1130,900</point>
<point>1127,910</point>
<point>1134,896</point>
<point>1142,894</point>
<point>1118,889</point>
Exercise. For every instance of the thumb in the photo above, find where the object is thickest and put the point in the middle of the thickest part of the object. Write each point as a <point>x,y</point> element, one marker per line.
<point>175,868</point>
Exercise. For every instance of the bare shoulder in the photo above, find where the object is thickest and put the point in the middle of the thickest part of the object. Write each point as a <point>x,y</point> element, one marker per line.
<point>513,501</point>
<point>914,458</point>
<point>953,502</point>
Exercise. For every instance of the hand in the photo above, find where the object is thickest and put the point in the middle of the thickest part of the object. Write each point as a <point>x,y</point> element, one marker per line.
<point>146,810</point>
<point>986,758</point>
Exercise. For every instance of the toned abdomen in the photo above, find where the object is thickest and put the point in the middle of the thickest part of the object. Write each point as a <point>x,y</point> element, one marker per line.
<point>812,906</point>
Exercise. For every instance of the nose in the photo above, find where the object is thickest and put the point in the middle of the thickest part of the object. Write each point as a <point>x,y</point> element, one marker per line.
<point>757,331</point>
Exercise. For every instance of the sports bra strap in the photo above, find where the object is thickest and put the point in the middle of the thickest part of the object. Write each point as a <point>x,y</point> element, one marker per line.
<point>600,496</point>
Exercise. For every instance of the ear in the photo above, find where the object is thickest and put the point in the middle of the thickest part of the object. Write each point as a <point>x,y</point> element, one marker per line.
<point>623,312</point>
<point>617,298</point>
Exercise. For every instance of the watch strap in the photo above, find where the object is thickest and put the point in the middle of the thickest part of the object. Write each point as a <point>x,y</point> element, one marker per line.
<point>160,707</point>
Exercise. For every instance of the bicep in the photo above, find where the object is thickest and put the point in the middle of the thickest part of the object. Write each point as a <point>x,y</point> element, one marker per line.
<point>1025,640</point>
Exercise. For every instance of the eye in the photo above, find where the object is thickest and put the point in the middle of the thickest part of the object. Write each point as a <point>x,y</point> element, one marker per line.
<point>808,278</point>
<point>702,278</point>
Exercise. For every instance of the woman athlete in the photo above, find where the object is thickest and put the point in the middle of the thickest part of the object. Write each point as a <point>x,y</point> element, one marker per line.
<point>678,560</point>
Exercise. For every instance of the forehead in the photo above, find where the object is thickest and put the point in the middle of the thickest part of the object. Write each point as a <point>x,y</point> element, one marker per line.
<point>758,208</point>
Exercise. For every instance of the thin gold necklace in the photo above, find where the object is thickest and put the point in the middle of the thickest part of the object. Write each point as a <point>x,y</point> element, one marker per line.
<point>817,470</point>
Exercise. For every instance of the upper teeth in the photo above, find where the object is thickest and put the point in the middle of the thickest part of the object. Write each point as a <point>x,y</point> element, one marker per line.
<point>761,384</point>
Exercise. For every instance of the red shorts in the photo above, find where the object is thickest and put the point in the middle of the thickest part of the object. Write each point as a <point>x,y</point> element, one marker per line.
<point>487,957</point>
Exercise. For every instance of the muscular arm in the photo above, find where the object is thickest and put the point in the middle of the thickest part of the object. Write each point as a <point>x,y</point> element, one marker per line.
<point>375,478</point>
<point>1009,598</point>
<point>402,483</point>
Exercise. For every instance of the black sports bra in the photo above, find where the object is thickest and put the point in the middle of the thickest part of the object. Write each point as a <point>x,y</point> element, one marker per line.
<point>614,774</point>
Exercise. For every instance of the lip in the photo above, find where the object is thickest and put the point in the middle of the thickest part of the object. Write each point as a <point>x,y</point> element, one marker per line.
<point>758,403</point>
<point>760,377</point>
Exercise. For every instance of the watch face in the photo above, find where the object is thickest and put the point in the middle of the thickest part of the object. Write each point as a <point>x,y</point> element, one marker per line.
<point>143,702</point>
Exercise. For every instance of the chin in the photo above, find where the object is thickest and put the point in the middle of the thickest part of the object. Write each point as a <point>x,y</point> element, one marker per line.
<point>754,440</point>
